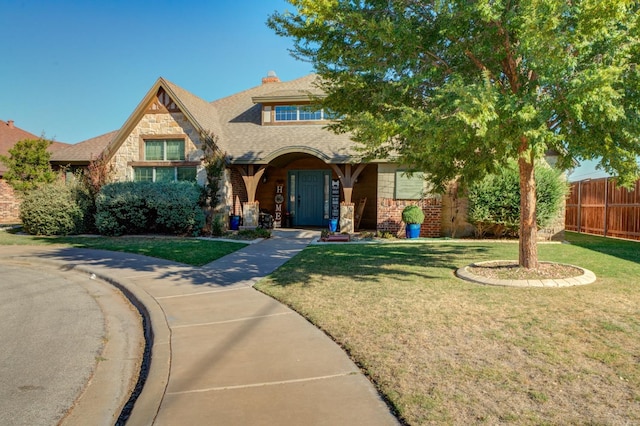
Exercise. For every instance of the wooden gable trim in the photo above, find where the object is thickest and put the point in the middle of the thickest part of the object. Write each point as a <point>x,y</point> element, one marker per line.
<point>140,111</point>
<point>162,104</point>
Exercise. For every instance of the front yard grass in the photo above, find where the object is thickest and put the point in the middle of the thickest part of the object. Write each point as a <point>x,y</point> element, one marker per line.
<point>190,251</point>
<point>445,351</point>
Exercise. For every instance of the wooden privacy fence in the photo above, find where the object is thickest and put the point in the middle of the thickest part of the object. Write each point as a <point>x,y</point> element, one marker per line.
<point>598,206</point>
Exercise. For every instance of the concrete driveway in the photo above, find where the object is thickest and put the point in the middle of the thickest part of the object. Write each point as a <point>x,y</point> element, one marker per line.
<point>60,330</point>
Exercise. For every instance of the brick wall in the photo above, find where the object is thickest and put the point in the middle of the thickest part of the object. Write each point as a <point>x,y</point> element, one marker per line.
<point>9,204</point>
<point>390,216</point>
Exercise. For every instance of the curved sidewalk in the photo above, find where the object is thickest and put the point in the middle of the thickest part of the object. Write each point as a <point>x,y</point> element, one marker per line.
<point>224,353</point>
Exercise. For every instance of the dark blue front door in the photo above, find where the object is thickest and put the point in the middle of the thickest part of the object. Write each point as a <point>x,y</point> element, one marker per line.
<point>309,196</point>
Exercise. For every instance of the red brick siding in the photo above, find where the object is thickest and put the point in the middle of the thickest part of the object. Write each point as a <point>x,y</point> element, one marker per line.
<point>238,189</point>
<point>9,204</point>
<point>390,216</point>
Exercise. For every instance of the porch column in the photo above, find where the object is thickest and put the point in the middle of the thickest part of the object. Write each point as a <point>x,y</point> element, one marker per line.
<point>251,179</point>
<point>347,208</point>
<point>347,217</point>
<point>347,178</point>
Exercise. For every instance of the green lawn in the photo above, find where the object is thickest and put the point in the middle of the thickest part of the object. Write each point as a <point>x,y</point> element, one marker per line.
<point>446,351</point>
<point>190,251</point>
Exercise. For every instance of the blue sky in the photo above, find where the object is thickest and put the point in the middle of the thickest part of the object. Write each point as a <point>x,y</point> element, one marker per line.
<point>77,69</point>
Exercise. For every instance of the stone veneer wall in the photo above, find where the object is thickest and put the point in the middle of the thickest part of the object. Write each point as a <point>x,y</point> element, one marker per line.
<point>161,125</point>
<point>389,216</point>
<point>9,203</point>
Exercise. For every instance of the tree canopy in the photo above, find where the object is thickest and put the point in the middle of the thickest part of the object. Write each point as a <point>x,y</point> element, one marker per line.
<point>456,88</point>
<point>28,164</point>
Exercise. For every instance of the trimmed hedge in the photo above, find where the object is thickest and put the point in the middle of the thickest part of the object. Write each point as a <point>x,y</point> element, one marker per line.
<point>149,207</point>
<point>58,208</point>
<point>494,202</point>
<point>412,214</point>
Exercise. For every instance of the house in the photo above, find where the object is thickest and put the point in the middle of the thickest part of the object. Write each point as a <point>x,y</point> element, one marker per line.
<point>10,134</point>
<point>281,159</point>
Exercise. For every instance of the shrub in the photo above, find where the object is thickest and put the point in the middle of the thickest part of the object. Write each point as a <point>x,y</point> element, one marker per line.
<point>149,207</point>
<point>494,202</point>
<point>412,214</point>
<point>57,208</point>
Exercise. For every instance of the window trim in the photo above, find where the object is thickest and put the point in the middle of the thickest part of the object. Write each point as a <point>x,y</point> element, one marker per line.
<point>299,109</point>
<point>144,138</point>
<point>175,168</point>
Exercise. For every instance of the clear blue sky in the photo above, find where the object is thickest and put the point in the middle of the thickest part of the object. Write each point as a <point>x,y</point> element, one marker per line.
<point>77,69</point>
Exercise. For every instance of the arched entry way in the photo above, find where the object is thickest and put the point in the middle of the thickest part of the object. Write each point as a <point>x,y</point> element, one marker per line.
<point>301,188</point>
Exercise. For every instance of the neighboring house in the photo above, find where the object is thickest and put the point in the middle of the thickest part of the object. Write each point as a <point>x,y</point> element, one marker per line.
<point>9,136</point>
<point>281,158</point>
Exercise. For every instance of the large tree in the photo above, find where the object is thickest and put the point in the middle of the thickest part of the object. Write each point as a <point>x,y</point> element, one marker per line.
<point>28,164</point>
<point>456,88</point>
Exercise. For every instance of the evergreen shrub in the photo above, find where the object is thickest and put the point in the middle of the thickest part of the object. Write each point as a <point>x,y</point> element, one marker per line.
<point>412,214</point>
<point>149,207</point>
<point>494,202</point>
<point>57,208</point>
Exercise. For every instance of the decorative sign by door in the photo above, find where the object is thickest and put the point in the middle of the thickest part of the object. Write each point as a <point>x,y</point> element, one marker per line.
<point>335,199</point>
<point>279,199</point>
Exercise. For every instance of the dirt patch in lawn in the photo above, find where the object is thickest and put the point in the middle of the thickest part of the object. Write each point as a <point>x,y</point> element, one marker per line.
<point>510,270</point>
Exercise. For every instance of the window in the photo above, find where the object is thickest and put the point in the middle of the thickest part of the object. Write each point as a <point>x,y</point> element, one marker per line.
<point>164,150</point>
<point>299,113</point>
<point>286,113</point>
<point>164,174</point>
<point>409,187</point>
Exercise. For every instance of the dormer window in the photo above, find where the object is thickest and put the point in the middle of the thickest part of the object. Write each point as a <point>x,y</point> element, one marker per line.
<point>299,113</point>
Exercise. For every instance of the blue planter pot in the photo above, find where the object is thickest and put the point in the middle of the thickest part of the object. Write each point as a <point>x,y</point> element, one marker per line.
<point>234,223</point>
<point>413,230</point>
<point>333,225</point>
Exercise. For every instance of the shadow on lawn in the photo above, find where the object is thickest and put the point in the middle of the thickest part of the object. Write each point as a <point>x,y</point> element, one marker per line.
<point>622,249</point>
<point>373,262</point>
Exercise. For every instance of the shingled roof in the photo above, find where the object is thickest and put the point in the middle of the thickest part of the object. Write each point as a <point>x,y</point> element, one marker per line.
<point>83,152</point>
<point>247,141</point>
<point>10,135</point>
<point>236,120</point>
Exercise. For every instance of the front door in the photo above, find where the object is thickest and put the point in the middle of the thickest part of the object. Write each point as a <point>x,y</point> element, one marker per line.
<point>308,194</point>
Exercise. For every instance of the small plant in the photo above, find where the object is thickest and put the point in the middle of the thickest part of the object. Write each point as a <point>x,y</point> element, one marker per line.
<point>324,234</point>
<point>412,214</point>
<point>367,235</point>
<point>386,235</point>
<point>251,234</point>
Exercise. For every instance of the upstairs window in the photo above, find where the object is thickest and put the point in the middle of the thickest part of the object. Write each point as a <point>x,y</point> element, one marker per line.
<point>164,150</point>
<point>299,113</point>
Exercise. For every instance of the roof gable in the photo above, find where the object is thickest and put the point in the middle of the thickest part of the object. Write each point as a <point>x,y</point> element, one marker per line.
<point>165,96</point>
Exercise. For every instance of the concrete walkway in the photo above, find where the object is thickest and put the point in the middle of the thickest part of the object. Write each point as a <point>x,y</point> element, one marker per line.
<point>224,353</point>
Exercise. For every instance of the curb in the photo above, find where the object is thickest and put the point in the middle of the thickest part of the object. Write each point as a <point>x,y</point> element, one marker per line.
<point>587,277</point>
<point>143,409</point>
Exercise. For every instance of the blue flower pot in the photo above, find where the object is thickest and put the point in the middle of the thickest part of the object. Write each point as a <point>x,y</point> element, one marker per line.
<point>333,225</point>
<point>234,223</point>
<point>413,230</point>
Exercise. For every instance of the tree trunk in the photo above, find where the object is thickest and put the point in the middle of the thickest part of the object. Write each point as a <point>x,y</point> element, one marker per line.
<point>528,253</point>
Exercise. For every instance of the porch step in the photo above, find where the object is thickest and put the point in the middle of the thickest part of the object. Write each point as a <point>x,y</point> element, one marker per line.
<point>339,238</point>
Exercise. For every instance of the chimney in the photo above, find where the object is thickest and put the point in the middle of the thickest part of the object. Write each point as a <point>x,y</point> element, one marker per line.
<point>270,78</point>
<point>10,124</point>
